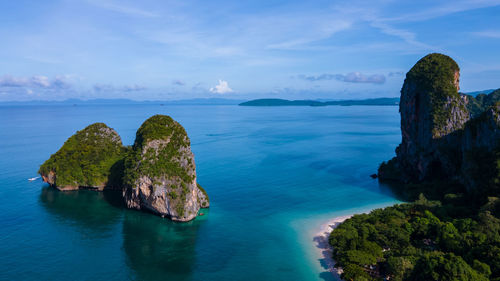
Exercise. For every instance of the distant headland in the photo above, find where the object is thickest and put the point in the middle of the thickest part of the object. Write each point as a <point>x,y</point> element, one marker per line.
<point>283,102</point>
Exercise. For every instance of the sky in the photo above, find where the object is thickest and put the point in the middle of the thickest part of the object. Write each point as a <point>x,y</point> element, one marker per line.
<point>171,50</point>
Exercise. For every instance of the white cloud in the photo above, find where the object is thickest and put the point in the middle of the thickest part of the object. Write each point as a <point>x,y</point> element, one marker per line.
<point>40,80</point>
<point>37,81</point>
<point>407,36</point>
<point>133,88</point>
<point>122,9</point>
<point>353,77</point>
<point>110,88</point>
<point>488,33</point>
<point>221,88</point>
<point>445,9</point>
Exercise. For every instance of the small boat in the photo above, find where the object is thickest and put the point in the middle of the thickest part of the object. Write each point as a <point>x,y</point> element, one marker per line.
<point>33,179</point>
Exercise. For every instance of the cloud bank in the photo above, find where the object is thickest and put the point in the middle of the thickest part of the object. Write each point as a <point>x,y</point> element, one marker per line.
<point>34,82</point>
<point>353,77</point>
<point>178,83</point>
<point>221,88</point>
<point>110,88</point>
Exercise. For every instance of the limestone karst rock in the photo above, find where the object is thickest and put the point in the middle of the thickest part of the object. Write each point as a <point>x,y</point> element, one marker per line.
<point>441,137</point>
<point>87,159</point>
<point>156,174</point>
<point>431,108</point>
<point>160,172</point>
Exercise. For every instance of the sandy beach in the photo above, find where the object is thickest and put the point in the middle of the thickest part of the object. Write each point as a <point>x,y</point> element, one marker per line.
<point>325,250</point>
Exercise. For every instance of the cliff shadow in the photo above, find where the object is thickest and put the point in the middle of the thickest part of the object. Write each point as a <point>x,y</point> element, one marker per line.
<point>85,209</point>
<point>114,198</point>
<point>157,248</point>
<point>432,190</point>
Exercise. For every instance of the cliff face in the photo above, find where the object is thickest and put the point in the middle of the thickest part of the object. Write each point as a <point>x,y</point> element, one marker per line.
<point>203,197</point>
<point>480,146</point>
<point>431,109</point>
<point>438,134</point>
<point>160,173</point>
<point>85,160</point>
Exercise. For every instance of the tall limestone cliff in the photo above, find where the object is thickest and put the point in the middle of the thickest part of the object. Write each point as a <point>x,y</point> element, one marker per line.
<point>480,146</point>
<point>160,173</point>
<point>440,139</point>
<point>88,159</point>
<point>431,109</point>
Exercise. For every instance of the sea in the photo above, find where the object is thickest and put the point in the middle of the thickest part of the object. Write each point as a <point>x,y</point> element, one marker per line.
<point>274,175</point>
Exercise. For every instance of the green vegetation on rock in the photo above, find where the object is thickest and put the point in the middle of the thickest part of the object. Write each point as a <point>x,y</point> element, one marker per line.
<point>482,102</point>
<point>434,75</point>
<point>156,174</point>
<point>203,199</point>
<point>157,151</point>
<point>161,127</point>
<point>86,158</point>
<point>160,173</point>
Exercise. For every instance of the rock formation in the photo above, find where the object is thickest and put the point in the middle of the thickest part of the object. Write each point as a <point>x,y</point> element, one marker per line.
<point>85,160</point>
<point>160,173</point>
<point>157,174</point>
<point>439,132</point>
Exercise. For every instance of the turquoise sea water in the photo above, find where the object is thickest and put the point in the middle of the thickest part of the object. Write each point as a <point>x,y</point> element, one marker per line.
<point>274,175</point>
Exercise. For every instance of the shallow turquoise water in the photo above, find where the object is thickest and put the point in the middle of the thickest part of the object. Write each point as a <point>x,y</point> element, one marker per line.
<point>272,174</point>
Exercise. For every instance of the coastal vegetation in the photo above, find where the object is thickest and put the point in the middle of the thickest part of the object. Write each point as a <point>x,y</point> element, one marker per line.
<point>424,240</point>
<point>448,167</point>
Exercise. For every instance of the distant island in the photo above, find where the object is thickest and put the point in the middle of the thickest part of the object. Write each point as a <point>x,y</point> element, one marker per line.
<point>283,102</point>
<point>448,166</point>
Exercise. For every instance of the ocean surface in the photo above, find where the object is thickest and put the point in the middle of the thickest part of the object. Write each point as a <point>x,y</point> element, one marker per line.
<point>273,174</point>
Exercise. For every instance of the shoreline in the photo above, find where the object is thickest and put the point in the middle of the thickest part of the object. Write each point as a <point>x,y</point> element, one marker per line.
<point>325,250</point>
<point>322,249</point>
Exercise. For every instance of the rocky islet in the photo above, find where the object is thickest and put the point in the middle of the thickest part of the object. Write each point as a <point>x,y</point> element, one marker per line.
<point>157,174</point>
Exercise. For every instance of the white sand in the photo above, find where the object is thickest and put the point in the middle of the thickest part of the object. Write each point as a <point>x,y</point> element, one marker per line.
<point>324,249</point>
<point>321,241</point>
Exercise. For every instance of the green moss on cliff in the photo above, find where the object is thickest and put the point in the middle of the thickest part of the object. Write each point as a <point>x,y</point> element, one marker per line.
<point>157,151</point>
<point>87,158</point>
<point>434,75</point>
<point>203,191</point>
<point>161,127</point>
<point>482,102</point>
<point>203,202</point>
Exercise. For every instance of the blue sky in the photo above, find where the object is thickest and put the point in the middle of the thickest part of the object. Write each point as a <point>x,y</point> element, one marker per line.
<point>164,50</point>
